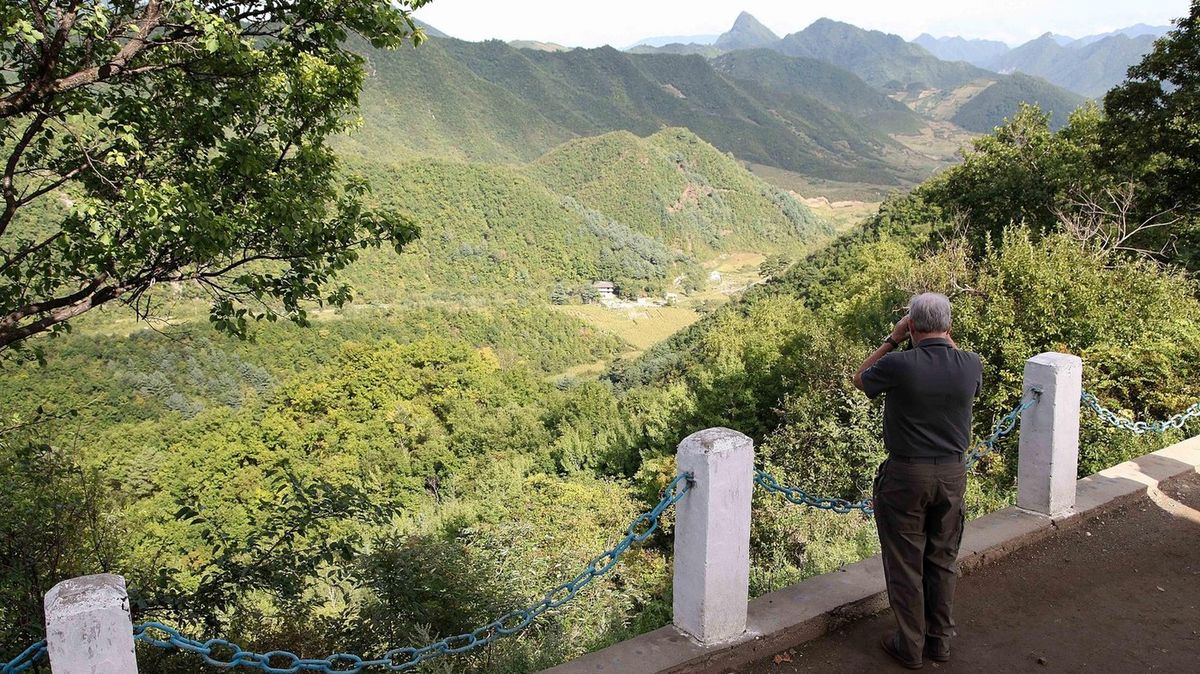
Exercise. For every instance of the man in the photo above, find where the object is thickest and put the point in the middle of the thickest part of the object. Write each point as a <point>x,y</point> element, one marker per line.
<point>919,488</point>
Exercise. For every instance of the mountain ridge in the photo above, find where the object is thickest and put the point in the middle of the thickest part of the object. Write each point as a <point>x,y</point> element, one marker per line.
<point>747,33</point>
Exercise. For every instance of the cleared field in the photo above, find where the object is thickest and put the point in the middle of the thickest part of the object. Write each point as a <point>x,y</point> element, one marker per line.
<point>643,327</point>
<point>939,140</point>
<point>817,187</point>
<point>843,214</point>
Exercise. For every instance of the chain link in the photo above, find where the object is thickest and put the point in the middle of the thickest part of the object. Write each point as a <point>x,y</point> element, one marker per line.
<point>227,655</point>
<point>842,506</point>
<point>28,658</point>
<point>1007,423</point>
<point>1139,427</point>
<point>798,496</point>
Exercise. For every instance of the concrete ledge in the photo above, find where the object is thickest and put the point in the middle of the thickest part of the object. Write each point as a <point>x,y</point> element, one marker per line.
<point>809,609</point>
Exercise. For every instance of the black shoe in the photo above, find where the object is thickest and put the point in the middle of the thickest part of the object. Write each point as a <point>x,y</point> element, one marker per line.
<point>937,654</point>
<point>891,646</point>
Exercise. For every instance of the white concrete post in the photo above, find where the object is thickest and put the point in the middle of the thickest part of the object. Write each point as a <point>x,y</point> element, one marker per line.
<point>88,628</point>
<point>712,535</point>
<point>1049,444</point>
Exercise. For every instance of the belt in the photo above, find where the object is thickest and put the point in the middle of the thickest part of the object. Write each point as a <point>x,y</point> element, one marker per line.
<point>934,460</point>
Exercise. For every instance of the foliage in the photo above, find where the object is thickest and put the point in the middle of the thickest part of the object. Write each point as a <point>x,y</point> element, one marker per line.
<point>488,101</point>
<point>677,188</point>
<point>1022,173</point>
<point>1122,169</point>
<point>839,89</point>
<point>1151,124</point>
<point>190,137</point>
<point>55,524</point>
<point>409,471</point>
<point>636,211</point>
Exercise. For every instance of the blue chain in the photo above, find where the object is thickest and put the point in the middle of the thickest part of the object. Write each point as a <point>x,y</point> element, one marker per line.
<point>1002,428</point>
<point>800,497</point>
<point>227,655</point>
<point>28,658</point>
<point>842,506</point>
<point>1139,427</point>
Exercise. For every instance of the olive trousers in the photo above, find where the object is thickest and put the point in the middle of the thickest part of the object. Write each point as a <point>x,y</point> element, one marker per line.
<point>919,514</point>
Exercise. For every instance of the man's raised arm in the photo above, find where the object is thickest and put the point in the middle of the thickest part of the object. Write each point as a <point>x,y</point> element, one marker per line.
<point>894,340</point>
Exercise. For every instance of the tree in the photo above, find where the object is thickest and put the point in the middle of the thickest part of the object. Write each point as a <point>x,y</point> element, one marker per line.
<point>182,141</point>
<point>775,265</point>
<point>1021,173</point>
<point>1152,130</point>
<point>559,294</point>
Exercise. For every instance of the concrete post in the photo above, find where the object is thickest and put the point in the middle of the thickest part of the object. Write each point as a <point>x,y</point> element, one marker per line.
<point>712,535</point>
<point>88,628</point>
<point>1049,444</point>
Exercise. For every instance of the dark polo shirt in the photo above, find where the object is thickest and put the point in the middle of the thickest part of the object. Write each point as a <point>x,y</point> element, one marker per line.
<point>931,390</point>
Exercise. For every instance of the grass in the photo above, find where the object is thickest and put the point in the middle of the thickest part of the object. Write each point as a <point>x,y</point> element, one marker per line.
<point>643,327</point>
<point>808,186</point>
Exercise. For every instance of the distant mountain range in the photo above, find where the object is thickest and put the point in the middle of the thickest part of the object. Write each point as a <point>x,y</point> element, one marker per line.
<point>1089,66</point>
<point>492,102</point>
<point>940,89</point>
<point>664,40</point>
<point>832,104</point>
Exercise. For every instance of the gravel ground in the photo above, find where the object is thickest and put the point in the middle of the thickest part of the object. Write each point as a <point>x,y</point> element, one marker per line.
<point>1120,593</point>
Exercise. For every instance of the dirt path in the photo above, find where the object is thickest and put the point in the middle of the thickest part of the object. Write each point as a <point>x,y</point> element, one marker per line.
<point>1119,594</point>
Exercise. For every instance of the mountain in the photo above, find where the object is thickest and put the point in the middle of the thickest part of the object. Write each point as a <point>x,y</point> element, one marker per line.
<point>679,48</point>
<point>677,188</point>
<point>1136,30</point>
<point>747,33</point>
<point>430,31</point>
<point>664,40</point>
<point>959,92</point>
<point>837,88</point>
<point>425,101</point>
<point>988,108</point>
<point>1089,69</point>
<point>537,46</point>
<point>490,102</point>
<point>884,61</point>
<point>616,206</point>
<point>976,52</point>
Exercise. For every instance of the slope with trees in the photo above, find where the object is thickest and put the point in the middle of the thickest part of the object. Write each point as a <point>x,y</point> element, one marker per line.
<point>490,102</point>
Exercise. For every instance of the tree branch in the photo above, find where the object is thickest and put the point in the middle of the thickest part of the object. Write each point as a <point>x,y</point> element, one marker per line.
<point>45,87</point>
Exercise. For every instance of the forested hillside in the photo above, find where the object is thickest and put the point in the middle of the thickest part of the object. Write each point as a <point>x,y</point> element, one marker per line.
<point>616,207</point>
<point>491,102</point>
<point>839,89</point>
<point>818,58</point>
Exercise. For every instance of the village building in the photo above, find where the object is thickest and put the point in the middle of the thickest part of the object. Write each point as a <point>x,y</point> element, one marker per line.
<point>606,289</point>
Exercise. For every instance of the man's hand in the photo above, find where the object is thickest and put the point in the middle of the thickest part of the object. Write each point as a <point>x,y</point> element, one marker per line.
<point>901,332</point>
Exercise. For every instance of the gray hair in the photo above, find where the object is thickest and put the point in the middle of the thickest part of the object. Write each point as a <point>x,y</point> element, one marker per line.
<point>930,312</point>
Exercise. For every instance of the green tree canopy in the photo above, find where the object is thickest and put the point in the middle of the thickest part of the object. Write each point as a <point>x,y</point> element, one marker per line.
<point>1154,119</point>
<point>182,141</point>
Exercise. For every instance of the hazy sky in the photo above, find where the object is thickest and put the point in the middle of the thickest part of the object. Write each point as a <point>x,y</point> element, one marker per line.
<point>590,23</point>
